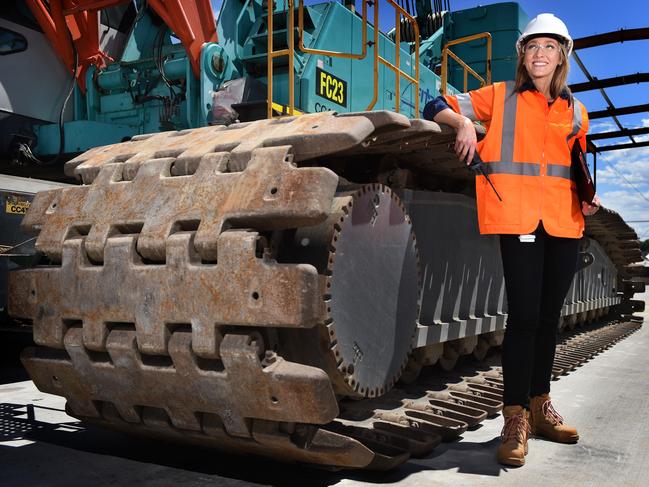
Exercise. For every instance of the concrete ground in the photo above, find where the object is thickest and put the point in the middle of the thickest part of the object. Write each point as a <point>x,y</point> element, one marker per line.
<point>607,399</point>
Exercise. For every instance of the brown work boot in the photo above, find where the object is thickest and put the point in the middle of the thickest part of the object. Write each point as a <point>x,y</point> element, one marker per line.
<point>546,422</point>
<point>514,435</point>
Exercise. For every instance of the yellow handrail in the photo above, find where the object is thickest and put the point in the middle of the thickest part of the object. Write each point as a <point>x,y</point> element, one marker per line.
<point>398,12</point>
<point>290,52</point>
<point>271,54</point>
<point>467,69</point>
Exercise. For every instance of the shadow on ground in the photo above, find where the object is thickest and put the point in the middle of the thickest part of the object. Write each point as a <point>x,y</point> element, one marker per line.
<point>11,344</point>
<point>51,443</point>
<point>477,458</point>
<point>191,465</point>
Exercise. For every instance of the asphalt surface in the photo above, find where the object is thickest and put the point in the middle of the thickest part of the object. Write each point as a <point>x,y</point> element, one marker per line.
<point>607,399</point>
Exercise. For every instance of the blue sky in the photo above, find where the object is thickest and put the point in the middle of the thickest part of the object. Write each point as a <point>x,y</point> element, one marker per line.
<point>622,176</point>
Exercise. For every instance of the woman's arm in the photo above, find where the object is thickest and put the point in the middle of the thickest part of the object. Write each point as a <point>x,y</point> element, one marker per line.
<point>460,111</point>
<point>466,139</point>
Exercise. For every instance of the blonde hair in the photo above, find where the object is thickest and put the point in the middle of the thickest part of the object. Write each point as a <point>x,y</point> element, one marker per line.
<point>559,79</point>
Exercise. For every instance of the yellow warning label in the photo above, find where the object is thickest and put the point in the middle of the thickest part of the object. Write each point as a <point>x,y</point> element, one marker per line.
<point>16,206</point>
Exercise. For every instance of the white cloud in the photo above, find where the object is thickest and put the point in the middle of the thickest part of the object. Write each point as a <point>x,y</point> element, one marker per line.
<point>598,127</point>
<point>623,180</point>
<point>628,175</point>
<point>625,167</point>
<point>631,206</point>
<point>627,202</point>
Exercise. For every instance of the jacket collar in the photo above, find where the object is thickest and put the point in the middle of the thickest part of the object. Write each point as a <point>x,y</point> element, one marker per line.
<point>529,86</point>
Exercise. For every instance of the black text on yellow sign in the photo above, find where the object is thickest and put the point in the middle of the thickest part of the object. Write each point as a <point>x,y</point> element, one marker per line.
<point>330,87</point>
<point>16,207</point>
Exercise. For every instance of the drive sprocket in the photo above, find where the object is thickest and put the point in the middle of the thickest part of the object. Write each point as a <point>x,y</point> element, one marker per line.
<point>368,254</point>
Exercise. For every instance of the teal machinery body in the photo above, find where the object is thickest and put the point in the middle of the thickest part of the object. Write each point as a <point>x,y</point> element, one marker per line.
<point>152,87</point>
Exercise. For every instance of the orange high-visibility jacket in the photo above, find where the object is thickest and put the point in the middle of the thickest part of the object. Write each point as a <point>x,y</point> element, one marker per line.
<point>527,155</point>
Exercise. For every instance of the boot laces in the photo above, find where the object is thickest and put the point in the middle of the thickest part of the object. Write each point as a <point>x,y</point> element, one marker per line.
<point>515,428</point>
<point>550,413</point>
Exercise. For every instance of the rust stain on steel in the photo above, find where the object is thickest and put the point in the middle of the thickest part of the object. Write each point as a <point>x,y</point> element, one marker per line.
<point>287,442</point>
<point>383,435</point>
<point>269,194</point>
<point>282,391</point>
<point>310,136</point>
<point>244,290</point>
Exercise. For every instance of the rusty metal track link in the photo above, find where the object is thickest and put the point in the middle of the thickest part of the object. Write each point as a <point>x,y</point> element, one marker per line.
<point>582,345</point>
<point>164,400</point>
<point>165,297</point>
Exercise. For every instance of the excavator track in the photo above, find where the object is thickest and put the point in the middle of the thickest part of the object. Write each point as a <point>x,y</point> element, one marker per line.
<point>198,287</point>
<point>379,434</point>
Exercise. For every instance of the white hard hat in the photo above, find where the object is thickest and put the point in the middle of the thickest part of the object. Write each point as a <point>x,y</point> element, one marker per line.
<point>545,24</point>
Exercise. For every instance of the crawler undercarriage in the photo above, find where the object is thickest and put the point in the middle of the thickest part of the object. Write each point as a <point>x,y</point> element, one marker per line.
<point>263,287</point>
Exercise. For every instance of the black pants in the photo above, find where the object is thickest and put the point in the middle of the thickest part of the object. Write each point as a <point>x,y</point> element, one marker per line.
<point>537,278</point>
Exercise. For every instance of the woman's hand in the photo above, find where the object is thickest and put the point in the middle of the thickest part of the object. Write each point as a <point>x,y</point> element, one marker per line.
<point>465,141</point>
<point>589,210</point>
<point>466,138</point>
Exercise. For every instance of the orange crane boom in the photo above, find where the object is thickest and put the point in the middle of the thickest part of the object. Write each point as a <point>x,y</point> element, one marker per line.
<point>64,21</point>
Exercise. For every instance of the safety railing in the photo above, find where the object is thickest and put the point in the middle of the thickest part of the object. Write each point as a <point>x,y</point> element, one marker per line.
<point>446,52</point>
<point>289,51</point>
<point>272,54</point>
<point>396,67</point>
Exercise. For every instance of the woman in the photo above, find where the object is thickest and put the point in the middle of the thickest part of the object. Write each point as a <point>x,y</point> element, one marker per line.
<point>532,125</point>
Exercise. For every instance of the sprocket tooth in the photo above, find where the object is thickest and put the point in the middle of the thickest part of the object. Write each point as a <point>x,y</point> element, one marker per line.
<point>315,445</point>
<point>128,413</point>
<point>123,350</point>
<point>206,339</point>
<point>95,335</point>
<point>95,242</point>
<point>183,419</point>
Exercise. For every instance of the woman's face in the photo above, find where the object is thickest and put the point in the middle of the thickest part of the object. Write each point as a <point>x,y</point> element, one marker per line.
<point>542,56</point>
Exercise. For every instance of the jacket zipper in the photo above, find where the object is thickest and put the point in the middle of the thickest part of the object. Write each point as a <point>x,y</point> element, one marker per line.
<point>543,167</point>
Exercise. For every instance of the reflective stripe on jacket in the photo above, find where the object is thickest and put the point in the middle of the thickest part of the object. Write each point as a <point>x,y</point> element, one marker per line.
<point>527,156</point>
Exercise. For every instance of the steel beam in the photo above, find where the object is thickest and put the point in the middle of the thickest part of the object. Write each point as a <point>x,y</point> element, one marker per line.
<point>613,112</point>
<point>575,56</point>
<point>619,133</point>
<point>633,145</point>
<point>621,35</point>
<point>609,82</point>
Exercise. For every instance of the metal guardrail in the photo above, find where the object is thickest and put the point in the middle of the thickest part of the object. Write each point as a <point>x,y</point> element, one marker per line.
<point>446,52</point>
<point>289,51</point>
<point>398,13</point>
